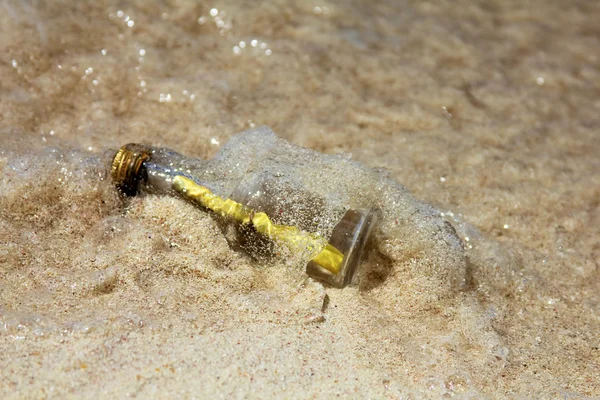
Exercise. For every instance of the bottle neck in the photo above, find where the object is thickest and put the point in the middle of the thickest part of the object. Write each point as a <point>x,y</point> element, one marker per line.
<point>138,168</point>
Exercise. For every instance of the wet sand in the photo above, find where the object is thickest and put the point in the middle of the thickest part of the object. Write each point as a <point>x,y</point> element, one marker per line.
<point>487,112</point>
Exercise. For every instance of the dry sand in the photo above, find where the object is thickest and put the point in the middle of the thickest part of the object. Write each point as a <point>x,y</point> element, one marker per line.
<point>489,111</point>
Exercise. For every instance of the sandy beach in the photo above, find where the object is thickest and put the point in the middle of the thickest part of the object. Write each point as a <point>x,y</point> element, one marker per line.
<point>474,126</point>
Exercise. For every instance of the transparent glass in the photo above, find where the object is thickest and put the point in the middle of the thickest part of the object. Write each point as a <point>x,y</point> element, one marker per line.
<point>278,198</point>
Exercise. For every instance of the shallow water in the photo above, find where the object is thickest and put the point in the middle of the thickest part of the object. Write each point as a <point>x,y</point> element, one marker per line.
<point>487,111</point>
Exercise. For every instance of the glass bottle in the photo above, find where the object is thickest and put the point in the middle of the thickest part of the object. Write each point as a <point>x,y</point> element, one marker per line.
<point>271,197</point>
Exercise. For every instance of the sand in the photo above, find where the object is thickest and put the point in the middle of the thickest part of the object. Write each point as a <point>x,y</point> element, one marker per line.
<point>482,114</point>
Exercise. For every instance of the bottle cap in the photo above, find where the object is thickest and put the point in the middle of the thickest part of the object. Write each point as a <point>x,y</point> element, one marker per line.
<point>127,167</point>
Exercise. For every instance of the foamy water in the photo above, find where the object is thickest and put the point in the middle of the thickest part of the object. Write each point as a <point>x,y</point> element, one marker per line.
<point>486,113</point>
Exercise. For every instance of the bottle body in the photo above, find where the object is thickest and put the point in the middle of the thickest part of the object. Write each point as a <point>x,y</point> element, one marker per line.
<point>272,197</point>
